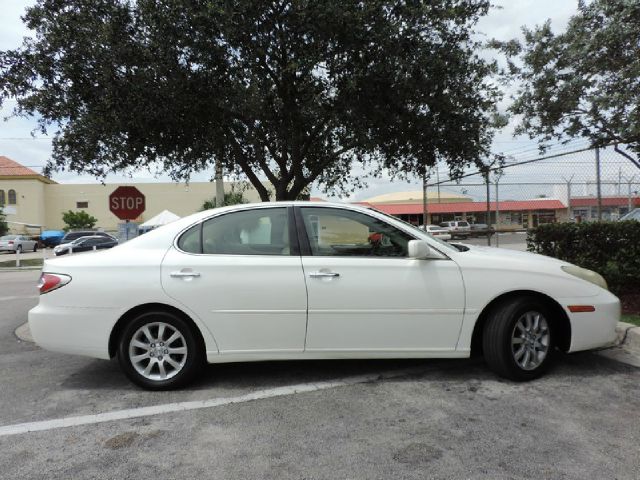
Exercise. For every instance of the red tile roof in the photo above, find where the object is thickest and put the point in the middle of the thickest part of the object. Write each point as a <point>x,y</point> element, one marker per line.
<point>606,201</point>
<point>11,168</point>
<point>468,207</point>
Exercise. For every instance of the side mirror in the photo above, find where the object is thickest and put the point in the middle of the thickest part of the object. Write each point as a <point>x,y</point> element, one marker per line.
<point>419,249</point>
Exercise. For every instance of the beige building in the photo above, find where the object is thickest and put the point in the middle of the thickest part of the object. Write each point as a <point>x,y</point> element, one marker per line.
<point>32,202</point>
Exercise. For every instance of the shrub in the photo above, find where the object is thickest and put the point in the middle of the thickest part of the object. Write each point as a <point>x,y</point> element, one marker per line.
<point>4,228</point>
<point>78,220</point>
<point>610,248</point>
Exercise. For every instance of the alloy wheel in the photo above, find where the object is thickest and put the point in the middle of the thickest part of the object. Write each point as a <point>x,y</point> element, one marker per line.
<point>530,340</point>
<point>158,351</point>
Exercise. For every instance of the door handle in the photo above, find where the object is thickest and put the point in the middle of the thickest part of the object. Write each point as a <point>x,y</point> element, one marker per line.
<point>323,274</point>
<point>184,274</point>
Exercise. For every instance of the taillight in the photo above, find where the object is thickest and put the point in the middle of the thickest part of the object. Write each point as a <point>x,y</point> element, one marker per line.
<point>10,242</point>
<point>51,281</point>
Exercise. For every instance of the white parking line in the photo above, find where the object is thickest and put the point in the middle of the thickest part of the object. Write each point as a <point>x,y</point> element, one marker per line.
<point>18,297</point>
<point>200,404</point>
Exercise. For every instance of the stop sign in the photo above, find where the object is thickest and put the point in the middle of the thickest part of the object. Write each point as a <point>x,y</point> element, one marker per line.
<point>126,203</point>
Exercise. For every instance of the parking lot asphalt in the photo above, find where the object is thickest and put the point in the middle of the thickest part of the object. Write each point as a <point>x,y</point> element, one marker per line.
<point>403,419</point>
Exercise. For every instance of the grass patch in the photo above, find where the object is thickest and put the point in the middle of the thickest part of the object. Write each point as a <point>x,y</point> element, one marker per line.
<point>30,262</point>
<point>630,318</point>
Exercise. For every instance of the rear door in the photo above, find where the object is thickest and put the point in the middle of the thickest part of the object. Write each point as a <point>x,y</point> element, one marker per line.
<point>241,273</point>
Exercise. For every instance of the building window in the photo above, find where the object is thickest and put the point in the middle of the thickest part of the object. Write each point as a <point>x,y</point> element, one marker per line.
<point>2,197</point>
<point>12,197</point>
<point>82,204</point>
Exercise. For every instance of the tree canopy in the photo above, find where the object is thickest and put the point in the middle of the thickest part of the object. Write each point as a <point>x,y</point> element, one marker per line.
<point>585,81</point>
<point>296,92</point>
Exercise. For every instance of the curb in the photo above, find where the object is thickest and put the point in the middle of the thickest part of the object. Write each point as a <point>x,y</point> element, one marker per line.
<point>23,333</point>
<point>628,337</point>
<point>19,269</point>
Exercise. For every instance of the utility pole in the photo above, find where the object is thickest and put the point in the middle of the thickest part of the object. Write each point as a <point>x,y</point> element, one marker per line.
<point>219,185</point>
<point>497,174</point>
<point>486,179</point>
<point>425,212</point>
<point>629,198</point>
<point>569,195</point>
<point>599,184</point>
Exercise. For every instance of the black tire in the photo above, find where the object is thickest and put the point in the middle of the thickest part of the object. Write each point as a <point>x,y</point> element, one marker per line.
<point>35,247</point>
<point>195,352</point>
<point>19,249</point>
<point>499,339</point>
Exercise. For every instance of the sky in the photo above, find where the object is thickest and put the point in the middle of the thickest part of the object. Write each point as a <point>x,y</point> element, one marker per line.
<point>502,23</point>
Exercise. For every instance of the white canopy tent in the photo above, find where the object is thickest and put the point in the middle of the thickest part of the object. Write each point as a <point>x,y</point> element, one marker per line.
<point>162,218</point>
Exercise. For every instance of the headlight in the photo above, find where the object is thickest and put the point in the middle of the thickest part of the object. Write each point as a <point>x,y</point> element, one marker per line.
<point>588,275</point>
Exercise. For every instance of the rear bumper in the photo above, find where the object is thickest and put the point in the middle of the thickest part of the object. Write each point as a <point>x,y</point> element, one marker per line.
<point>80,331</point>
<point>593,329</point>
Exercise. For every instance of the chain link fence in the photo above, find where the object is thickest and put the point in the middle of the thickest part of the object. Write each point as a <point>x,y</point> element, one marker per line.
<point>575,186</point>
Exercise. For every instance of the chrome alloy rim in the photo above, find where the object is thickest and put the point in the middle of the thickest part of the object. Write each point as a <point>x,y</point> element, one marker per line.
<point>158,351</point>
<point>530,340</point>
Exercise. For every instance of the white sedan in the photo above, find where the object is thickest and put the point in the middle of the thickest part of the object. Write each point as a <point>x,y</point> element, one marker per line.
<point>300,280</point>
<point>440,233</point>
<point>17,243</point>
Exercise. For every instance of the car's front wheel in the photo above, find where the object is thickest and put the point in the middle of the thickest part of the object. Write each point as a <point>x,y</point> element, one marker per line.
<point>160,351</point>
<point>518,339</point>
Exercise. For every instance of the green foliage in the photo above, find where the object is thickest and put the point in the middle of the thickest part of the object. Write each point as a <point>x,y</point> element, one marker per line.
<point>583,82</point>
<point>230,198</point>
<point>310,92</point>
<point>4,228</point>
<point>78,220</point>
<point>610,248</point>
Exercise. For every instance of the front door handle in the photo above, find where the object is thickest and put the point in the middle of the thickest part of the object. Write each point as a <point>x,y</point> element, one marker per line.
<point>323,274</point>
<point>184,274</point>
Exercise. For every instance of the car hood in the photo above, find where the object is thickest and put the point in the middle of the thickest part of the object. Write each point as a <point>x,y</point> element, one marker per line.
<point>514,270</point>
<point>505,256</point>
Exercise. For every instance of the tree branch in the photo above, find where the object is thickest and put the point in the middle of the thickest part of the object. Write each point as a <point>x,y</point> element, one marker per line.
<point>627,156</point>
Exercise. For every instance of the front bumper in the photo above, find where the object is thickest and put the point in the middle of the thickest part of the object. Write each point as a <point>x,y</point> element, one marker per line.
<point>593,329</point>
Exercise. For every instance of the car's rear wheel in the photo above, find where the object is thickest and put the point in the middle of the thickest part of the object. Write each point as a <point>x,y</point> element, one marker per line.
<point>159,351</point>
<point>35,247</point>
<point>518,339</point>
<point>19,249</point>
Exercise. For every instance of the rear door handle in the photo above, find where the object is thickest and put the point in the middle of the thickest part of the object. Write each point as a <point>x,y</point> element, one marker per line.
<point>323,274</point>
<point>184,274</point>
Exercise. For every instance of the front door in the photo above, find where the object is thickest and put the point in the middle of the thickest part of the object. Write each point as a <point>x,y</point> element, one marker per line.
<point>366,295</point>
<point>239,273</point>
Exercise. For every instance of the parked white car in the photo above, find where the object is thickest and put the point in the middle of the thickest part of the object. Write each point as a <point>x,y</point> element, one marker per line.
<point>440,233</point>
<point>301,280</point>
<point>17,243</point>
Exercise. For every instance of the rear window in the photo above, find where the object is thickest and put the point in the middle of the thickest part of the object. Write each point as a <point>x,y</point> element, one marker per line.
<point>463,224</point>
<point>190,240</point>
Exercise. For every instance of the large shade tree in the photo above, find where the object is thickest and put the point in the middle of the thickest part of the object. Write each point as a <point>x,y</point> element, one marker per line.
<point>295,92</point>
<point>584,81</point>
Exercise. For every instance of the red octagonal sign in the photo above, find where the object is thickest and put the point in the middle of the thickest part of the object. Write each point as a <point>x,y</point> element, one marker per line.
<point>126,203</point>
